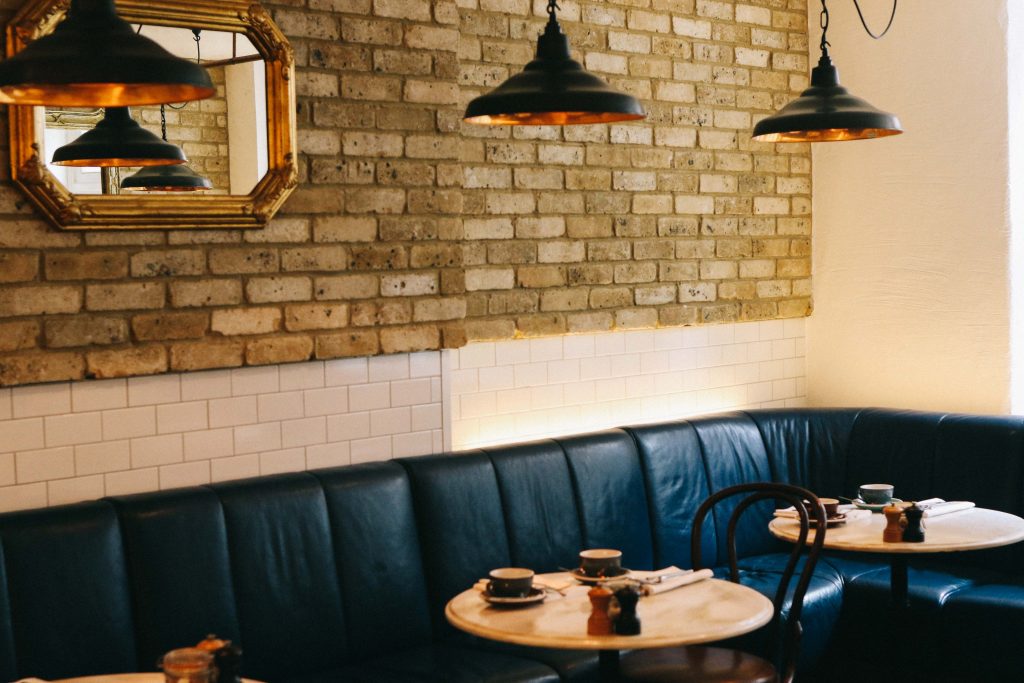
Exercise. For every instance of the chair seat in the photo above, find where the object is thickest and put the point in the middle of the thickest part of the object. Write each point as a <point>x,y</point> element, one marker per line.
<point>695,663</point>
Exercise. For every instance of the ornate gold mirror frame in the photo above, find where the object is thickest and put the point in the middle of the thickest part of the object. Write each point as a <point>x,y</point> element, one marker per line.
<point>104,212</point>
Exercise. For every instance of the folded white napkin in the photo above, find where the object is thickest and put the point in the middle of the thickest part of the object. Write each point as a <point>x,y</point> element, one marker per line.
<point>933,507</point>
<point>670,578</point>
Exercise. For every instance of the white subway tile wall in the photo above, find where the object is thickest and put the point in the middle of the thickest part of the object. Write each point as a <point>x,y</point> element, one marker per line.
<point>66,442</point>
<point>524,389</point>
<point>61,443</point>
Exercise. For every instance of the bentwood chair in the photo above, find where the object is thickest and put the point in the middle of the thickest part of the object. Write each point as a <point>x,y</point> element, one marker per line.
<point>717,664</point>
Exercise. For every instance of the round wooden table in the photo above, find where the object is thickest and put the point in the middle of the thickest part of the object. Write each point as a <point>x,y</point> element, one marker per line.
<point>972,529</point>
<point>701,612</point>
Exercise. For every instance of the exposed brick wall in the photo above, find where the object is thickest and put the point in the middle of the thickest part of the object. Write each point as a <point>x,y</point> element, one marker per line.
<point>679,219</point>
<point>412,231</point>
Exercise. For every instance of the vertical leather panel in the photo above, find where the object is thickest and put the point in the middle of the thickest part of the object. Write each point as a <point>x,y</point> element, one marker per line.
<point>808,447</point>
<point>611,495</point>
<point>894,447</point>
<point>69,592</point>
<point>286,582</point>
<point>677,481</point>
<point>540,510</point>
<point>734,453</point>
<point>8,666</point>
<point>377,550</point>
<point>461,523</point>
<point>981,459</point>
<point>180,572</point>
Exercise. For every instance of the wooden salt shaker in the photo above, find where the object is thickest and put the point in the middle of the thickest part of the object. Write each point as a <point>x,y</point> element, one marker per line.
<point>599,623</point>
<point>894,527</point>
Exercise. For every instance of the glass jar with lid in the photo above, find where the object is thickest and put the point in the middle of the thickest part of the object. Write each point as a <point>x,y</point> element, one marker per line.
<point>188,665</point>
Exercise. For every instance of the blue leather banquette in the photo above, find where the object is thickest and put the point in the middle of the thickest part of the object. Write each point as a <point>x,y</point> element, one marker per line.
<point>342,574</point>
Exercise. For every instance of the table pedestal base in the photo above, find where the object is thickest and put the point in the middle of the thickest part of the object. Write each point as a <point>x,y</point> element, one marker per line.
<point>608,665</point>
<point>898,582</point>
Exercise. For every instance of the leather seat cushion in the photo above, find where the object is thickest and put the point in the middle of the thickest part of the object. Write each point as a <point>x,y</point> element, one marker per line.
<point>437,663</point>
<point>981,627</point>
<point>869,633</point>
<point>571,665</point>
<point>822,604</point>
<point>852,565</point>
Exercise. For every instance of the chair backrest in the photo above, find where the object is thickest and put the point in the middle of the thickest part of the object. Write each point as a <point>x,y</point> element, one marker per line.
<point>788,634</point>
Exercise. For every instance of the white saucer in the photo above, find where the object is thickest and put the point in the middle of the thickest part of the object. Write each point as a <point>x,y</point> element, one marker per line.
<point>536,595</point>
<point>580,576</point>
<point>874,507</point>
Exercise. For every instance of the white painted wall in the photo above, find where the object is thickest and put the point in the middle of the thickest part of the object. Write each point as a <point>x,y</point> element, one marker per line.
<point>71,441</point>
<point>246,88</point>
<point>911,233</point>
<point>524,389</point>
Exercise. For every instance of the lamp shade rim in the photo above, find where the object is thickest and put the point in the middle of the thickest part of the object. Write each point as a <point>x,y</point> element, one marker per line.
<point>177,178</point>
<point>553,89</point>
<point>826,110</point>
<point>95,58</point>
<point>118,140</point>
<point>545,95</point>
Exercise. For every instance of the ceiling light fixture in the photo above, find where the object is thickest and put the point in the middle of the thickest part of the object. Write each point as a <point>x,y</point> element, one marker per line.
<point>93,58</point>
<point>553,89</point>
<point>826,111</point>
<point>118,140</point>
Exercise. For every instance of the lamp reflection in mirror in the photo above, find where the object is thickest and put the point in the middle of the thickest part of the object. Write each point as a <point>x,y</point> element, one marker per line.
<point>118,140</point>
<point>178,178</point>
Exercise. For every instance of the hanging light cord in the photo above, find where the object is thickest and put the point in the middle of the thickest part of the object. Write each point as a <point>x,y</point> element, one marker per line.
<point>552,7</point>
<point>199,60</point>
<point>864,23</point>
<point>823,22</point>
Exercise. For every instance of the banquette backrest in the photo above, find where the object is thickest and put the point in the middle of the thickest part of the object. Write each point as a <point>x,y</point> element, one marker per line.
<point>310,571</point>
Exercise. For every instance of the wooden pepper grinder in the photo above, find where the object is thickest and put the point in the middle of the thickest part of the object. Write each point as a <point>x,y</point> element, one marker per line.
<point>227,658</point>
<point>914,531</point>
<point>894,524</point>
<point>599,623</point>
<point>627,623</point>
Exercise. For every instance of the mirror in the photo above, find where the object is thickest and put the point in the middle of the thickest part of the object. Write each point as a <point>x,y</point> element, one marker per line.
<point>241,140</point>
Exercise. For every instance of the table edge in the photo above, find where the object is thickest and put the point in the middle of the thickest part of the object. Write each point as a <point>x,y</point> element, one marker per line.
<point>903,548</point>
<point>588,642</point>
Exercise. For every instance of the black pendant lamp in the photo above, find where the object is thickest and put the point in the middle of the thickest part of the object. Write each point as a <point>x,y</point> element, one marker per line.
<point>118,140</point>
<point>177,178</point>
<point>826,111</point>
<point>93,58</point>
<point>553,89</point>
